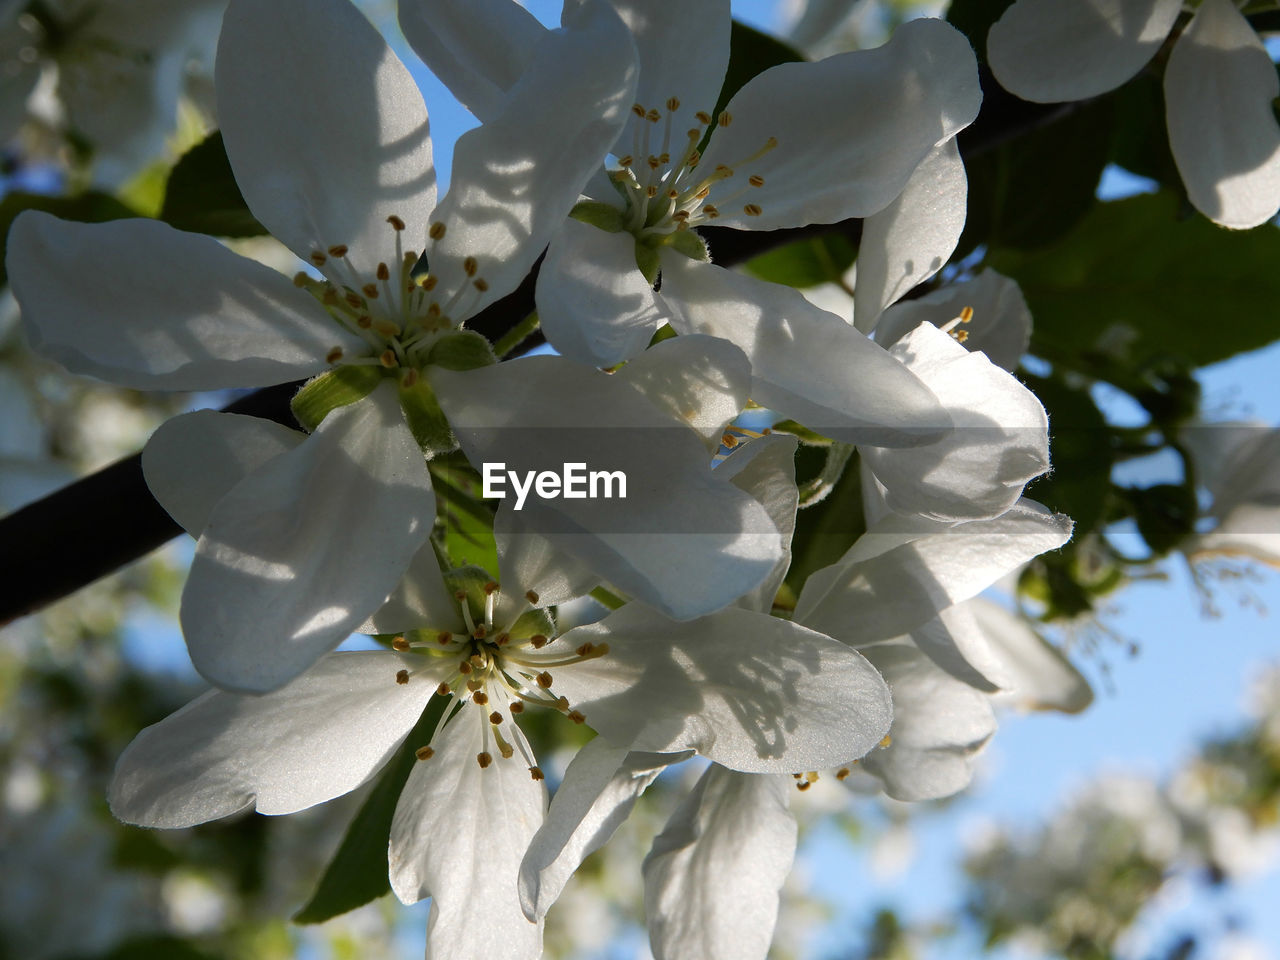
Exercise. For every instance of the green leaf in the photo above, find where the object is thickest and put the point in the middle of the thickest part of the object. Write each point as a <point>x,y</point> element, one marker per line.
<point>467,519</point>
<point>1140,141</point>
<point>1135,287</point>
<point>358,871</point>
<point>91,207</point>
<point>1081,451</point>
<point>158,947</point>
<point>1030,191</point>
<point>1165,514</point>
<point>805,263</point>
<point>202,195</point>
<point>826,530</point>
<point>332,389</point>
<point>750,52</point>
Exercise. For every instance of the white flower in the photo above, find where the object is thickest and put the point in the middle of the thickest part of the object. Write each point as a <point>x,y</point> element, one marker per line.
<point>1219,85</point>
<point>759,699</point>
<point>328,137</point>
<point>801,143</point>
<point>1238,462</point>
<point>121,68</point>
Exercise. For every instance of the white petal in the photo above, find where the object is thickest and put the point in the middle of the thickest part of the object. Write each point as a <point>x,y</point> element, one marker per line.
<point>300,552</point>
<point>599,789</point>
<point>850,129</point>
<point>806,363</point>
<point>683,56</point>
<point>143,305</point>
<point>325,128</point>
<point>595,306</point>
<point>888,584</point>
<point>1051,50</point>
<point>420,600</point>
<point>1000,440</point>
<point>458,836</point>
<point>747,690</point>
<point>317,738</point>
<point>766,469</point>
<point>703,381</point>
<point>682,539</point>
<point>1219,87</point>
<point>528,561</point>
<point>477,48</point>
<point>712,880</point>
<point>939,726</point>
<point>192,461</point>
<point>1001,324</point>
<point>1040,677</point>
<point>516,177</point>
<point>908,241</point>
<point>957,643</point>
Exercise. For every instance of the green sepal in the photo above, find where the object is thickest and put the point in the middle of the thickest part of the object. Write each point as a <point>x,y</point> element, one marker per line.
<point>336,388</point>
<point>796,429</point>
<point>603,215</point>
<point>471,581</point>
<point>426,420</point>
<point>531,623</point>
<point>647,260</point>
<point>461,350</point>
<point>690,244</point>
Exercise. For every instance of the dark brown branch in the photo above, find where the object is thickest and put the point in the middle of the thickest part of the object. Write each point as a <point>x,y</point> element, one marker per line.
<point>97,525</point>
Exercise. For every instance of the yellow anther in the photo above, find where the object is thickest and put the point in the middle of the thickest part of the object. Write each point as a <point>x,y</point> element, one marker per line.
<point>480,697</point>
<point>711,211</point>
<point>386,328</point>
<point>353,299</point>
<point>300,279</point>
<point>383,272</point>
<point>664,157</point>
<point>960,335</point>
<point>651,192</point>
<point>886,741</point>
<point>576,716</point>
<point>484,760</point>
<point>586,649</point>
<point>388,359</point>
<point>537,773</point>
<point>725,118</point>
<point>842,773</point>
<point>673,103</point>
<point>966,314</point>
<point>424,753</point>
<point>333,356</point>
<point>318,258</point>
<point>673,194</point>
<point>370,290</point>
<point>436,231</point>
<point>538,641</point>
<point>338,250</point>
<point>400,643</point>
<point>638,110</point>
<point>481,284</point>
<point>544,680</point>
<point>464,668</point>
<point>752,210</point>
<point>502,639</point>
<point>532,597</point>
<point>517,707</point>
<point>626,161</point>
<point>443,689</point>
<point>729,440</point>
<point>469,266</point>
<point>680,216</point>
<point>330,297</point>
<point>364,322</point>
<point>756,180</point>
<point>481,632</point>
<point>410,378</point>
<point>654,162</point>
<point>693,160</point>
<point>704,118</point>
<point>402,676</point>
<point>653,116</point>
<point>473,685</point>
<point>803,785</point>
<point>428,283</point>
<point>444,636</point>
<point>396,223</point>
<point>495,718</point>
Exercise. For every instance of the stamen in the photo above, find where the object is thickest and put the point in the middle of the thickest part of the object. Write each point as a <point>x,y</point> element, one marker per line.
<point>364,322</point>
<point>673,103</point>
<point>444,637</point>
<point>480,284</point>
<point>544,680</point>
<point>480,697</point>
<point>756,180</point>
<point>495,718</point>
<point>752,210</point>
<point>538,641</point>
<point>638,110</point>
<point>469,266</point>
<point>388,359</point>
<point>333,356</point>
<point>318,258</point>
<point>400,643</point>
<point>653,116</point>
<point>370,290</point>
<point>396,223</point>
<point>443,689</point>
<point>516,707</point>
<point>532,597</point>
<point>576,716</point>
<point>338,250</point>
<point>536,773</point>
<point>402,676</point>
<point>704,118</point>
<point>424,753</point>
<point>725,118</point>
<point>886,741</point>
<point>437,230</point>
<point>842,773</point>
<point>484,759</point>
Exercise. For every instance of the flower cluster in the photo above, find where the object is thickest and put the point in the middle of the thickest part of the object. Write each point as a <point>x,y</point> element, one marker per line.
<point>600,144</point>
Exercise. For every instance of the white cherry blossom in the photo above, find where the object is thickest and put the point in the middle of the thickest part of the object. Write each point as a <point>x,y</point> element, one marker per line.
<point>328,137</point>
<point>1219,84</point>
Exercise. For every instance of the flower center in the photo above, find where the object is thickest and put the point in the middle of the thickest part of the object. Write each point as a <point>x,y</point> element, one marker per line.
<point>497,672</point>
<point>663,194</point>
<point>401,310</point>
